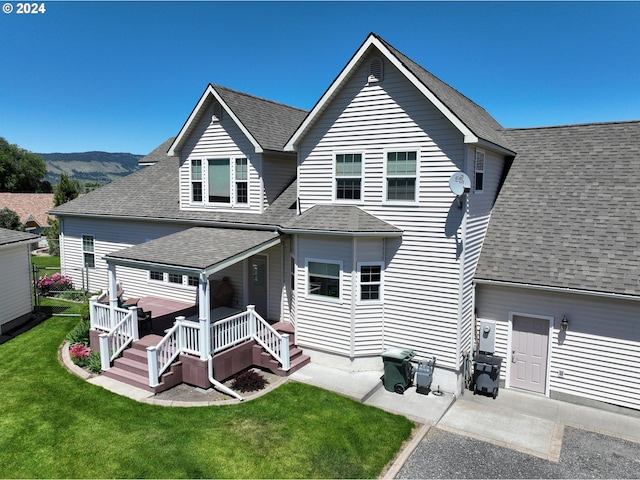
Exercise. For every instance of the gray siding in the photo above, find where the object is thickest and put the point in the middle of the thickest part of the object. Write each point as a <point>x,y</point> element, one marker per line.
<point>422,276</point>
<point>599,354</point>
<point>15,283</point>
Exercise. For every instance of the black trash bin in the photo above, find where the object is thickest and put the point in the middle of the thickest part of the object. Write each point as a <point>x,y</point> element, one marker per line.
<point>486,374</point>
<point>398,371</point>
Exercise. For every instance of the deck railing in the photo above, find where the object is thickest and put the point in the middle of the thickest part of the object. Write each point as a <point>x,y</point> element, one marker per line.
<point>187,337</point>
<point>119,337</point>
<point>183,337</point>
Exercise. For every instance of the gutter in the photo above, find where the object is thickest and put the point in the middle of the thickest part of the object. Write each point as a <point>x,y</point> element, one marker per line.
<point>19,243</point>
<point>591,293</point>
<point>201,223</point>
<point>340,233</point>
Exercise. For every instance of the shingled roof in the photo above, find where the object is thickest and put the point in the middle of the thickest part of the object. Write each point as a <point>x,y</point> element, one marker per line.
<point>267,124</point>
<point>152,193</point>
<point>340,220</point>
<point>11,237</point>
<point>567,215</point>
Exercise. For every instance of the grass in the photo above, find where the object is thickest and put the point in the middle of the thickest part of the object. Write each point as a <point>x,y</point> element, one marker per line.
<point>51,263</point>
<point>55,425</point>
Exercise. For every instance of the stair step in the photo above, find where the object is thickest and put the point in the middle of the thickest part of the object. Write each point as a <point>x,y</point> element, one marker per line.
<point>135,354</point>
<point>129,378</point>
<point>132,365</point>
<point>294,365</point>
<point>146,341</point>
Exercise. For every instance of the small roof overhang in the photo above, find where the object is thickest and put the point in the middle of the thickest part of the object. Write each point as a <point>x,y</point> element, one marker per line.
<point>347,220</point>
<point>198,250</point>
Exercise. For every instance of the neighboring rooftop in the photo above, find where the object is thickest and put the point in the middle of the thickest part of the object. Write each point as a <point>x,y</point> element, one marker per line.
<point>567,215</point>
<point>9,237</point>
<point>31,207</point>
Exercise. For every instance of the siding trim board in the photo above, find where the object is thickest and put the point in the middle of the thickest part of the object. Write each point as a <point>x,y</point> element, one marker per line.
<point>576,291</point>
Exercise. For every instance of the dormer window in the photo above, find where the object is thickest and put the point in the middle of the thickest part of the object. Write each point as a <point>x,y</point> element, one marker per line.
<point>376,70</point>
<point>219,181</point>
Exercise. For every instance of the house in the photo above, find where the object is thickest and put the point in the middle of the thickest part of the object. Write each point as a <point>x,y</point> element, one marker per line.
<point>340,232</point>
<point>31,208</point>
<point>562,247</point>
<point>16,299</point>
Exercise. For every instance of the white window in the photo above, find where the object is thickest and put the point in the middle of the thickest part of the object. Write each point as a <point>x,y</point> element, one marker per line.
<point>88,251</point>
<point>401,170</point>
<point>158,276</point>
<point>219,181</point>
<point>479,169</point>
<point>196,180</point>
<point>348,168</point>
<point>370,281</point>
<point>323,278</point>
<point>175,278</point>
<point>242,181</point>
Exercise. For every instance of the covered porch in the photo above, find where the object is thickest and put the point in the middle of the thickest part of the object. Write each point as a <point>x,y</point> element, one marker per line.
<point>200,343</point>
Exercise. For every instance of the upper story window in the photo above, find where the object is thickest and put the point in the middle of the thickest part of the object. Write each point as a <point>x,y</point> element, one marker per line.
<point>196,180</point>
<point>348,176</point>
<point>401,181</point>
<point>88,251</point>
<point>219,181</point>
<point>479,171</point>
<point>242,180</point>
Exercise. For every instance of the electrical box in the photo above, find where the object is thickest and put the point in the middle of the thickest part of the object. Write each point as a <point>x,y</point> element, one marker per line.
<point>487,343</point>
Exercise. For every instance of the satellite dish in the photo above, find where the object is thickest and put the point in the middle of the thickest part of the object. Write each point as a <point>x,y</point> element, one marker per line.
<point>459,183</point>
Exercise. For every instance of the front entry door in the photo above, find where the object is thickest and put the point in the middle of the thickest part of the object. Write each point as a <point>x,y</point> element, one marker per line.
<point>529,348</point>
<point>257,275</point>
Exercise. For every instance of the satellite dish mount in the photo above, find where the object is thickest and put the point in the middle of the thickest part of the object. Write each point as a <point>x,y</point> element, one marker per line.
<point>460,185</point>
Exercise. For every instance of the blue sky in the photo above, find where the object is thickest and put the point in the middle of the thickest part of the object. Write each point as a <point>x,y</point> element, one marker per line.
<point>124,76</point>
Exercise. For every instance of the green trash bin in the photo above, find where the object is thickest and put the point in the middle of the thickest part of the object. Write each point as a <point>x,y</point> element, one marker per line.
<point>398,371</point>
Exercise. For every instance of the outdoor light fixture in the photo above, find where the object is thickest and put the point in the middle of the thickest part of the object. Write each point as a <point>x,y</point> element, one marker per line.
<point>564,323</point>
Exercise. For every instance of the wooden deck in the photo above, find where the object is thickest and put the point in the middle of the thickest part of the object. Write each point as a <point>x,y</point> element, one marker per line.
<point>164,313</point>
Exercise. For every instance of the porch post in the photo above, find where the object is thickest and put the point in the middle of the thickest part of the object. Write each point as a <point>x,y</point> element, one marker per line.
<point>113,295</point>
<point>134,323</point>
<point>284,352</point>
<point>105,355</point>
<point>204,316</point>
<point>92,311</point>
<point>253,323</point>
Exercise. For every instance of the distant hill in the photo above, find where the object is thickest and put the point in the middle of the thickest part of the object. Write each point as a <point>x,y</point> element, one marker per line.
<point>91,167</point>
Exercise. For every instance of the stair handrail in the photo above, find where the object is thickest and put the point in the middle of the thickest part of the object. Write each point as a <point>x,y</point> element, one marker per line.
<point>160,356</point>
<point>276,344</point>
<point>120,337</point>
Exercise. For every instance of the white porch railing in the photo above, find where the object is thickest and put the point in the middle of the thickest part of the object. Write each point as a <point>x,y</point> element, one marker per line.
<point>183,337</point>
<point>187,337</point>
<point>119,337</point>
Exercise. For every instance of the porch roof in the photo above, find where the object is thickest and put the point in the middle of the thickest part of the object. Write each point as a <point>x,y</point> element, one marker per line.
<point>196,250</point>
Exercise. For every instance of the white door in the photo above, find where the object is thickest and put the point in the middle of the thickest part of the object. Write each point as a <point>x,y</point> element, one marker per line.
<point>258,284</point>
<point>529,351</point>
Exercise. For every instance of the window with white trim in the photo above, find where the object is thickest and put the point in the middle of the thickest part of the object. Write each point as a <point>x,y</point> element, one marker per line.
<point>219,180</point>
<point>479,171</point>
<point>401,170</point>
<point>370,281</point>
<point>348,176</point>
<point>196,180</point>
<point>158,276</point>
<point>175,278</point>
<point>88,251</point>
<point>323,279</point>
<point>242,180</point>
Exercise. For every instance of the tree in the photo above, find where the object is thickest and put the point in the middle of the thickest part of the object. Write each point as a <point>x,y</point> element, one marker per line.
<point>20,170</point>
<point>53,236</point>
<point>10,220</point>
<point>65,191</point>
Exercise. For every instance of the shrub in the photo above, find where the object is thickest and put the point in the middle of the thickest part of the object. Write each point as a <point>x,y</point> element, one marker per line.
<point>54,283</point>
<point>80,333</point>
<point>249,381</point>
<point>80,354</point>
<point>93,362</point>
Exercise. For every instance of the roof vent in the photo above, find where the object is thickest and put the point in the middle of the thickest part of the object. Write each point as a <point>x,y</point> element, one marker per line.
<point>217,113</point>
<point>376,70</point>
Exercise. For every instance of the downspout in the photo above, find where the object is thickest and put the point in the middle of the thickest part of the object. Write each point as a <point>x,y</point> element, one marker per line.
<point>219,385</point>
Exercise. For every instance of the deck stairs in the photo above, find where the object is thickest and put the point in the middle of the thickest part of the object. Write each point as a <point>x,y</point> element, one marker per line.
<point>297,359</point>
<point>132,368</point>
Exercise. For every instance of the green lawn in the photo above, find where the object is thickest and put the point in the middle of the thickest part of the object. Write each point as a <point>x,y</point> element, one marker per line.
<point>51,263</point>
<point>55,425</point>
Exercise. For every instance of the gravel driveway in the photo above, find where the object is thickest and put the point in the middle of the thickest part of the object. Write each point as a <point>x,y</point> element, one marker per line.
<point>584,454</point>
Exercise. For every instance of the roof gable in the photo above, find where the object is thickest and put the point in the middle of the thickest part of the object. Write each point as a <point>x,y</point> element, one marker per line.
<point>266,124</point>
<point>475,124</point>
<point>30,207</point>
<point>566,216</point>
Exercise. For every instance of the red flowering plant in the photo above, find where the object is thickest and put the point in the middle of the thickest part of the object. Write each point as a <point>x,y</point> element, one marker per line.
<point>54,283</point>
<point>80,354</point>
